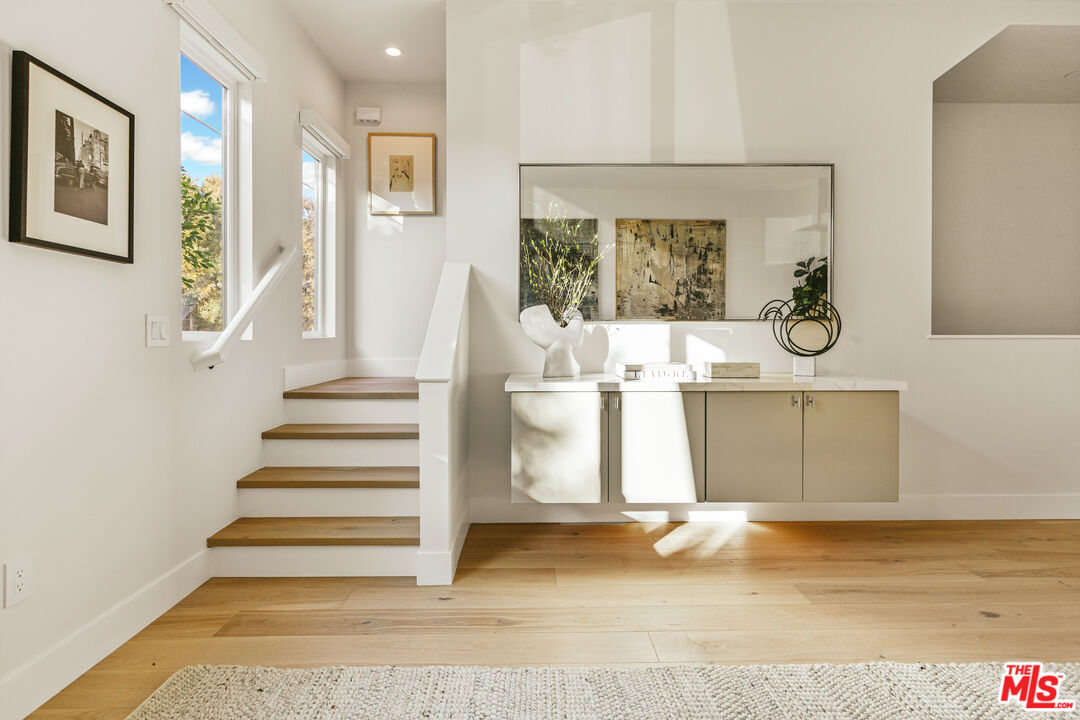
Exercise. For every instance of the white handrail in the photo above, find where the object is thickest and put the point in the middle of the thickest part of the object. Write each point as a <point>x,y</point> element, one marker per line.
<point>219,351</point>
<point>440,342</point>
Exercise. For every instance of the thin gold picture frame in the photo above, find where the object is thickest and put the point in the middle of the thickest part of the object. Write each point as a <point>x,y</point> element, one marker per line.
<point>434,178</point>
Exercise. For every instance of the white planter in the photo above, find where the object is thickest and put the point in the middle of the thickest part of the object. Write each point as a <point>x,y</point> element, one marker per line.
<point>803,366</point>
<point>558,342</point>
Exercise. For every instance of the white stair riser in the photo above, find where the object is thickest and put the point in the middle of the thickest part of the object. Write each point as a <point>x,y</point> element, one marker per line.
<point>352,411</point>
<point>329,502</point>
<point>314,561</point>
<point>338,453</point>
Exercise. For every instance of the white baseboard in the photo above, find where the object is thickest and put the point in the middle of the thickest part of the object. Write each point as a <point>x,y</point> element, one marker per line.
<point>315,453</point>
<point>315,561</point>
<point>340,410</point>
<point>299,376</point>
<point>25,689</point>
<point>438,568</point>
<point>383,367</point>
<point>330,502</point>
<point>910,507</point>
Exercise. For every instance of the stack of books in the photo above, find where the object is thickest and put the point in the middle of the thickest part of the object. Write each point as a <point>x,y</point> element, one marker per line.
<point>655,371</point>
<point>731,370</point>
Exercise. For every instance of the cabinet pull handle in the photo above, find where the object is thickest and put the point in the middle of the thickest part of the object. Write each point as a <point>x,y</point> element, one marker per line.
<point>603,401</point>
<point>796,400</point>
<point>810,401</point>
<point>616,401</point>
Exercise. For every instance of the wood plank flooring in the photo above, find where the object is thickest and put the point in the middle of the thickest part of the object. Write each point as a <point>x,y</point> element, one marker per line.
<point>343,431</point>
<point>276,531</point>
<point>640,593</point>
<point>359,388</point>
<point>332,477</point>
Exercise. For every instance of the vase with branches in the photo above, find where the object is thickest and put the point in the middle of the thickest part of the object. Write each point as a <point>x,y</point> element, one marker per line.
<point>556,262</point>
<point>560,272</point>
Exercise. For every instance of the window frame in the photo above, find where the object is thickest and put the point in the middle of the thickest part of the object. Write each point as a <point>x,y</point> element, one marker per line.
<point>325,239</point>
<point>236,140</point>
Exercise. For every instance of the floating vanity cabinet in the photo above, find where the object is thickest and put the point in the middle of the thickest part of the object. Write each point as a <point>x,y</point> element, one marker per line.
<point>656,447</point>
<point>558,447</point>
<point>776,438</point>
<point>754,450</point>
<point>851,446</point>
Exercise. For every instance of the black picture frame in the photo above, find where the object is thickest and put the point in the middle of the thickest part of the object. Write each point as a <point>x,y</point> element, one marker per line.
<point>20,155</point>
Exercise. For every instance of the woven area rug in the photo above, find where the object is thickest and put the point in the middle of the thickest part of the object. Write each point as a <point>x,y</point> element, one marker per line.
<point>772,692</point>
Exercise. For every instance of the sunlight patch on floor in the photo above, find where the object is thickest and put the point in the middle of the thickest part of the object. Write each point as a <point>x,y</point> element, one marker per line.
<point>698,540</point>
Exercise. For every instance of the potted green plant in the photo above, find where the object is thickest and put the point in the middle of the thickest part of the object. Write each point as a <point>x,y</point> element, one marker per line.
<point>811,286</point>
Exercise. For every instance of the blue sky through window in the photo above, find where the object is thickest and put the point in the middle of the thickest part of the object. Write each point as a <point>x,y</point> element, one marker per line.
<point>201,99</point>
<point>310,172</point>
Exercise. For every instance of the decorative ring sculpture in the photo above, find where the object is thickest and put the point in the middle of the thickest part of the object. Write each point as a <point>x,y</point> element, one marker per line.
<point>786,316</point>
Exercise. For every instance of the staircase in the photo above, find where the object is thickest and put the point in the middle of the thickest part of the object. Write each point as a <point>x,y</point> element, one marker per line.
<point>340,493</point>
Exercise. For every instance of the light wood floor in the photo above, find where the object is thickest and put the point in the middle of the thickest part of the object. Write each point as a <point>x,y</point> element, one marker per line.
<point>640,593</point>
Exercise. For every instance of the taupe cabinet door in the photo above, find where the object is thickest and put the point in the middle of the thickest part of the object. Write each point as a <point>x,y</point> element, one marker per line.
<point>753,447</point>
<point>657,447</point>
<point>851,444</point>
<point>558,447</point>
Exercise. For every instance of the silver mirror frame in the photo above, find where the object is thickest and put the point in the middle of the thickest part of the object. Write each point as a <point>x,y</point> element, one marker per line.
<point>832,219</point>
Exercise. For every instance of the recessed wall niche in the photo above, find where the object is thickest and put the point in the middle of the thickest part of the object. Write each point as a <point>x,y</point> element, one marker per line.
<point>1006,184</point>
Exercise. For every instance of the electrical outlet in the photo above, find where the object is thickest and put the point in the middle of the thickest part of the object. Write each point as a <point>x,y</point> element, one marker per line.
<point>17,580</point>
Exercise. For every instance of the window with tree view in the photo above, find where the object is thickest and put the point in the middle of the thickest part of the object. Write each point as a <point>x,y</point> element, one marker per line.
<point>311,240</point>
<point>203,106</point>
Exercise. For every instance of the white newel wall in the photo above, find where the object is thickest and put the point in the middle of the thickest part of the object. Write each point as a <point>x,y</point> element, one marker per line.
<point>117,460</point>
<point>443,375</point>
<point>683,81</point>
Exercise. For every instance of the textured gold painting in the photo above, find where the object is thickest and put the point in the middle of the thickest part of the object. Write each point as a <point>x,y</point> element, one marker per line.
<point>670,269</point>
<point>401,173</point>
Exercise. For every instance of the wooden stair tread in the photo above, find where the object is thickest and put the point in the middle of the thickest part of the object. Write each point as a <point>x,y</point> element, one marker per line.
<point>343,431</point>
<point>332,477</point>
<point>369,388</point>
<point>280,531</point>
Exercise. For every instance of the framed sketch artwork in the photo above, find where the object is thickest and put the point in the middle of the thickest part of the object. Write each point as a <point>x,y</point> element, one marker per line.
<point>72,165</point>
<point>401,173</point>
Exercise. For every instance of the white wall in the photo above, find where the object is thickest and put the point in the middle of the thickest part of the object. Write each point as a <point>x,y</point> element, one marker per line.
<point>395,262</point>
<point>117,461</point>
<point>1006,219</point>
<point>849,83</point>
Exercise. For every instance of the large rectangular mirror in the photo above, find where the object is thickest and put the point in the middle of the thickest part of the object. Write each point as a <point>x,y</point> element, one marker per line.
<point>687,242</point>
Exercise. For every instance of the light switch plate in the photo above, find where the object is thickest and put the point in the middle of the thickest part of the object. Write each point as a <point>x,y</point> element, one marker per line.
<point>157,330</point>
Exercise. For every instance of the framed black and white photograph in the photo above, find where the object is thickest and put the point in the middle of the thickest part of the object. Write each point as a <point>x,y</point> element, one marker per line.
<point>401,173</point>
<point>72,165</point>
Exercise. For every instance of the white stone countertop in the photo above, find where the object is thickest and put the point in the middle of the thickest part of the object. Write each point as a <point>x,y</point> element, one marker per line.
<point>606,382</point>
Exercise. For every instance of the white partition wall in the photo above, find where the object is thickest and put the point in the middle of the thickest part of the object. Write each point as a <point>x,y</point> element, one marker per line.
<point>443,374</point>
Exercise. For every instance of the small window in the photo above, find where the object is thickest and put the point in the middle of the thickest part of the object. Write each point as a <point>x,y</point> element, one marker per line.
<point>317,168</point>
<point>311,245</point>
<point>204,104</point>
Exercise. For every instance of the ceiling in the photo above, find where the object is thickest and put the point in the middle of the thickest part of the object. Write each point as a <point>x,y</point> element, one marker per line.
<point>1021,64</point>
<point>354,35</point>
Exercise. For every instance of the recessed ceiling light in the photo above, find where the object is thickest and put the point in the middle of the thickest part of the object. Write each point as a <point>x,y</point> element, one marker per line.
<point>393,51</point>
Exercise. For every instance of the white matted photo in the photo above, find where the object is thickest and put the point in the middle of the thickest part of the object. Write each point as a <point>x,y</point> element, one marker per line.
<point>72,154</point>
<point>401,173</point>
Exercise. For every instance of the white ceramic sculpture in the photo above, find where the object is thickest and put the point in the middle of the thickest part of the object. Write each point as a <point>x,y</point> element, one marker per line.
<point>558,342</point>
